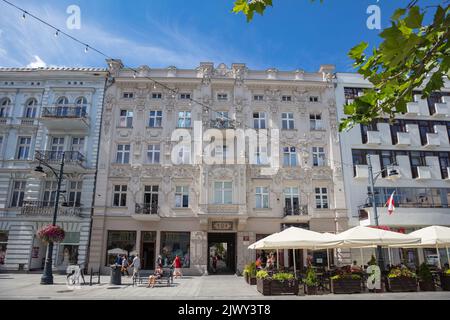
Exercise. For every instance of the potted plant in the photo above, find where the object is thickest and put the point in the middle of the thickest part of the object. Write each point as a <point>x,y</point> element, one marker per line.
<point>426,282</point>
<point>250,273</point>
<point>311,281</point>
<point>401,280</point>
<point>283,283</point>
<point>263,282</point>
<point>445,280</point>
<point>51,233</point>
<point>346,283</point>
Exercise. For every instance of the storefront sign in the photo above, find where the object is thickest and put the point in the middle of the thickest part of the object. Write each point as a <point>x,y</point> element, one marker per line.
<point>222,225</point>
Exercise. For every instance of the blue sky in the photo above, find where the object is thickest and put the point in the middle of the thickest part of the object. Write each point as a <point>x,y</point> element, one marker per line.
<point>294,34</point>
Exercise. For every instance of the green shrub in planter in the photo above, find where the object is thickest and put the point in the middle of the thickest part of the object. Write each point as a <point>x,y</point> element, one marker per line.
<point>311,281</point>
<point>426,282</point>
<point>283,276</point>
<point>262,274</point>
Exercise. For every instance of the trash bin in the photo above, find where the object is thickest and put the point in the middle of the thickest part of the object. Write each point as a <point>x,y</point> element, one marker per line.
<point>116,275</point>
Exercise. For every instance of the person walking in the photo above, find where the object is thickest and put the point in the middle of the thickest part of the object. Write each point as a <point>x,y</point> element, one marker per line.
<point>159,261</point>
<point>136,265</point>
<point>177,265</point>
<point>125,266</point>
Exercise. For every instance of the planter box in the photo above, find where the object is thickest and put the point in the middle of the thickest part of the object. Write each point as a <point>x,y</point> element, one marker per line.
<point>283,287</point>
<point>427,286</point>
<point>264,286</point>
<point>445,283</point>
<point>346,286</point>
<point>311,291</point>
<point>401,284</point>
<point>250,280</point>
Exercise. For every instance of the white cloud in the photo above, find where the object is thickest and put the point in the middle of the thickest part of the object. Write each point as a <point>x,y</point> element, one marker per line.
<point>37,63</point>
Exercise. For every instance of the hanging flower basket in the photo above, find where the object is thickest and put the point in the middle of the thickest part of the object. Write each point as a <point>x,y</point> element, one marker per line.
<point>51,233</point>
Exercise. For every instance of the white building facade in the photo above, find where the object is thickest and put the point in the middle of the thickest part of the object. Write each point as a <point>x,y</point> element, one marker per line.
<point>43,113</point>
<point>146,204</point>
<point>413,155</point>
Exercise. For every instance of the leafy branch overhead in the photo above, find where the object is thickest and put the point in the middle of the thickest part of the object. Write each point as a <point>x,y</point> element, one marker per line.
<point>411,56</point>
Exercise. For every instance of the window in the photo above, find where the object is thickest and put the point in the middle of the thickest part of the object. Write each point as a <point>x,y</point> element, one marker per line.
<point>289,157</point>
<point>157,95</point>
<point>262,197</point>
<point>184,155</point>
<point>81,106</point>
<point>126,119</point>
<point>222,120</point>
<point>315,121</point>
<point>220,152</point>
<point>153,153</point>
<point>77,144</point>
<point>184,119</point>
<point>175,244</point>
<point>23,149</point>
<point>123,153</point>
<point>182,197</point>
<point>259,120</point>
<point>120,196</point>
<point>258,97</point>
<point>75,188</point>
<point>155,120</point>
<point>286,98</point>
<point>185,96</point>
<point>3,245</point>
<point>261,156</point>
<point>291,200</point>
<point>318,156</point>
<point>128,95</point>
<point>4,107</point>
<point>68,251</point>
<point>351,94</point>
<point>30,109</point>
<point>18,193</point>
<point>125,240</point>
<point>1,146</point>
<point>287,120</point>
<point>321,198</point>
<point>49,196</point>
<point>223,192</point>
<point>222,97</point>
<point>151,195</point>
<point>313,99</point>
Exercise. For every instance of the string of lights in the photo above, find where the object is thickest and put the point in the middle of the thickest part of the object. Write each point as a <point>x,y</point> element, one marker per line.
<point>155,82</point>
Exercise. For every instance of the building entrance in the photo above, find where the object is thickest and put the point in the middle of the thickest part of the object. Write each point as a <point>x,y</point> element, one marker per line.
<point>222,253</point>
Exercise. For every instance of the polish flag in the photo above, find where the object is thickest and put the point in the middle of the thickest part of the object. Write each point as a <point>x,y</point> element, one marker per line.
<point>390,204</point>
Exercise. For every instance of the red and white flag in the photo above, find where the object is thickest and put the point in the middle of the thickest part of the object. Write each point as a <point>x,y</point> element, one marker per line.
<point>390,204</point>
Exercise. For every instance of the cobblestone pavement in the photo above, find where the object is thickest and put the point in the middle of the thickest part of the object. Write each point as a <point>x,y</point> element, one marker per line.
<point>26,286</point>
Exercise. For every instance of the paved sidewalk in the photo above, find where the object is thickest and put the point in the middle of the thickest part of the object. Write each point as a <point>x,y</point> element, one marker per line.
<point>26,286</point>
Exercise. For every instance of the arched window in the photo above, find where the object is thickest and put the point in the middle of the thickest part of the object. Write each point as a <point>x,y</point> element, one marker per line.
<point>62,106</point>
<point>4,107</point>
<point>30,108</point>
<point>81,106</point>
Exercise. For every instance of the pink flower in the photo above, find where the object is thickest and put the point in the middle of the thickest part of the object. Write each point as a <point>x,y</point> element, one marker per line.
<point>51,233</point>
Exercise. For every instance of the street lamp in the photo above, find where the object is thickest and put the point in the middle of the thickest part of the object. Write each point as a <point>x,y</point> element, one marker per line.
<point>372,179</point>
<point>47,277</point>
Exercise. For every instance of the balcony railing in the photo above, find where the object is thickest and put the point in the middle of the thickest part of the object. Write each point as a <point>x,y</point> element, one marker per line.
<point>147,208</point>
<point>51,156</point>
<point>296,211</point>
<point>64,112</point>
<point>46,208</point>
<point>222,124</point>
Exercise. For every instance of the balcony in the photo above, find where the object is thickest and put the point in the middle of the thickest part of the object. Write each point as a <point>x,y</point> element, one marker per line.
<point>403,139</point>
<point>4,121</point>
<point>65,118</point>
<point>73,160</point>
<point>46,209</point>
<point>433,140</point>
<point>222,124</point>
<point>28,122</point>
<point>223,209</point>
<point>146,212</point>
<point>412,109</point>
<point>440,110</point>
<point>296,211</point>
<point>361,172</point>
<point>423,173</point>
<point>446,175</point>
<point>373,138</point>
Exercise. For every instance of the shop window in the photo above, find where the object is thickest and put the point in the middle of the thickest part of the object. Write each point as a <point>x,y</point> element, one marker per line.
<point>175,244</point>
<point>3,245</point>
<point>120,243</point>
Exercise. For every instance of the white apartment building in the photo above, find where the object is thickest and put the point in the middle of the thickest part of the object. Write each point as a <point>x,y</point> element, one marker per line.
<point>416,146</point>
<point>43,113</point>
<point>146,204</point>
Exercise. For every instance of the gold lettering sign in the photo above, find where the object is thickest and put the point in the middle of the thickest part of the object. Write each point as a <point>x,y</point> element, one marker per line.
<point>222,225</point>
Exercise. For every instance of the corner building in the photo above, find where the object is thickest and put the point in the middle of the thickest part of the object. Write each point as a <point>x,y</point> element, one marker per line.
<point>146,204</point>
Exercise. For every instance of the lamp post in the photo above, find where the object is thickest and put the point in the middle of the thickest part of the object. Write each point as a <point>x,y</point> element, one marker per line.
<point>372,180</point>
<point>47,277</point>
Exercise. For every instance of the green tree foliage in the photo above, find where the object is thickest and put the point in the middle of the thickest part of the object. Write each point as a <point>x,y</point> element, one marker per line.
<point>412,54</point>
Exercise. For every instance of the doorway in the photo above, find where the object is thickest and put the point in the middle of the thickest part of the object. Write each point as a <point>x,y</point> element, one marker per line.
<point>148,250</point>
<point>222,253</point>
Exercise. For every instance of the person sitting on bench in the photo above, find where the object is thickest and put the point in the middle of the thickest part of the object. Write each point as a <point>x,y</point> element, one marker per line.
<point>159,273</point>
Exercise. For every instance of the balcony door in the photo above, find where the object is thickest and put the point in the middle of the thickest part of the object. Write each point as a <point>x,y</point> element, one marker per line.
<point>77,147</point>
<point>57,148</point>
<point>151,199</point>
<point>291,201</point>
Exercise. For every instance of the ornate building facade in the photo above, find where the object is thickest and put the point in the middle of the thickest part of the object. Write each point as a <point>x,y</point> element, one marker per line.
<point>148,204</point>
<point>44,113</point>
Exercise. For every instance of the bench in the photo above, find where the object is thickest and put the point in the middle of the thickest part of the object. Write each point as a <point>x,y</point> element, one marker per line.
<point>166,279</point>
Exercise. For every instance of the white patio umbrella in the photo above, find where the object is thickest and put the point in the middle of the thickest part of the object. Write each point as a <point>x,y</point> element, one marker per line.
<point>361,237</point>
<point>432,237</point>
<point>117,251</point>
